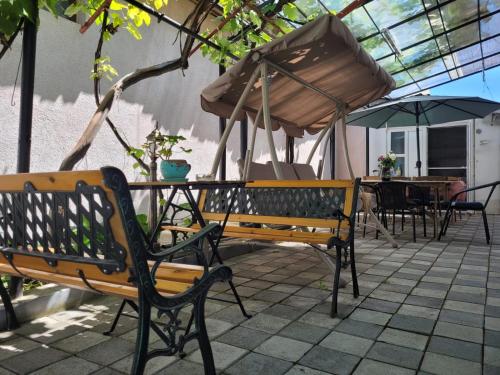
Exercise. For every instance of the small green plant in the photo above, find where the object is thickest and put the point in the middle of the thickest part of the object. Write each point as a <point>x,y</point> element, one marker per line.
<point>160,146</point>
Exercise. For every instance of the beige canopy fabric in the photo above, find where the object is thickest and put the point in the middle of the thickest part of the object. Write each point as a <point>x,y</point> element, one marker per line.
<point>323,53</point>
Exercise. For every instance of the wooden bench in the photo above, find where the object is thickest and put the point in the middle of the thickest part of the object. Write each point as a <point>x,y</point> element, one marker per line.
<point>79,229</point>
<point>311,212</point>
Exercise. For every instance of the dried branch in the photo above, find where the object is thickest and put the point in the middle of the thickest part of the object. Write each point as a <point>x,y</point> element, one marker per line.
<point>97,80</point>
<point>8,43</point>
<point>194,21</point>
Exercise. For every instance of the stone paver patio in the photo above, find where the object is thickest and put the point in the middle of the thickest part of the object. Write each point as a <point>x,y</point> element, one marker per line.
<point>426,307</point>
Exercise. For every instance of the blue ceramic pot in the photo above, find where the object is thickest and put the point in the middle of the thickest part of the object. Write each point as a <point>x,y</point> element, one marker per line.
<point>174,169</point>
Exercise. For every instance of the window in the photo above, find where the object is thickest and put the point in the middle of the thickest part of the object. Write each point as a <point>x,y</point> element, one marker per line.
<point>398,147</point>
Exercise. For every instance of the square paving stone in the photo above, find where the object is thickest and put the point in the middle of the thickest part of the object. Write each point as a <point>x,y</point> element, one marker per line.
<point>370,316</point>
<point>184,367</point>
<point>395,355</point>
<point>359,328</point>
<point>459,332</point>
<point>316,293</point>
<point>433,293</point>
<point>370,367</point>
<point>270,296</point>
<point>328,360</point>
<point>283,348</point>
<point>108,351</point>
<point>302,370</point>
<point>492,311</point>
<point>302,302</point>
<point>403,338</point>
<point>459,317</point>
<point>257,364</point>
<point>34,359</point>
<point>412,323</point>
<point>466,297</point>
<point>492,338</point>
<point>152,366</point>
<point>455,348</point>
<point>444,365</point>
<point>304,332</point>
<point>81,341</point>
<point>285,311</point>
<point>473,308</point>
<point>492,356</point>
<point>424,301</point>
<point>16,346</point>
<point>492,323</point>
<point>491,370</point>
<point>266,323</point>
<point>345,343</point>
<point>244,338</point>
<point>231,314</point>
<point>285,288</point>
<point>380,305</point>
<point>68,366</point>
<point>224,355</point>
<point>318,319</point>
<point>419,311</point>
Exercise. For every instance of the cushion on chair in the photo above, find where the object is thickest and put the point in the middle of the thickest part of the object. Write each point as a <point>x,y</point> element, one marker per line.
<point>259,171</point>
<point>474,206</point>
<point>286,169</point>
<point>304,171</point>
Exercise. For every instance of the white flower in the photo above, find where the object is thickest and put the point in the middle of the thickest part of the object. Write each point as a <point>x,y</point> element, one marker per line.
<point>392,156</point>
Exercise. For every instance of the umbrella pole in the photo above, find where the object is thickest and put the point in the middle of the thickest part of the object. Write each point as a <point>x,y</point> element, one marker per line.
<point>419,163</point>
<point>267,121</point>
<point>232,120</point>
<point>370,213</point>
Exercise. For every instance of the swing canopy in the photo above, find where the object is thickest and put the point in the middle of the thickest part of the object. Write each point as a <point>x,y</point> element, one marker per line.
<point>314,72</point>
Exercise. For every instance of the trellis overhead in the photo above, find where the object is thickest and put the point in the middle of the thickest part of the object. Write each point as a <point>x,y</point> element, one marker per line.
<point>421,43</point>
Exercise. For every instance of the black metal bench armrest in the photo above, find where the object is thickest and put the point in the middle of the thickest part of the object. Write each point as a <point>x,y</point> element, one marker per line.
<point>493,185</point>
<point>208,230</point>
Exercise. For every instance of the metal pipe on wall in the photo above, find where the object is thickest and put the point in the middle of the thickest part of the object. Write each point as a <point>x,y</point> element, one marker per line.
<point>26,112</point>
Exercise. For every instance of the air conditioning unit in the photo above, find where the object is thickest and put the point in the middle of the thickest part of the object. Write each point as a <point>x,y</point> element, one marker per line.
<point>495,118</point>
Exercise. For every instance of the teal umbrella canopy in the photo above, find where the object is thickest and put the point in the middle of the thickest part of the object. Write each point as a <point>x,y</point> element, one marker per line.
<point>422,110</point>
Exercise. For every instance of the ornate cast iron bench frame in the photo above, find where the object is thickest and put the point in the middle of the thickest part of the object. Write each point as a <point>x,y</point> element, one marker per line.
<point>79,229</point>
<point>291,211</point>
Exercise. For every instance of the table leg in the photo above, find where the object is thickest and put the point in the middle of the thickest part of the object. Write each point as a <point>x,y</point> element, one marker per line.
<point>436,207</point>
<point>214,245</point>
<point>381,228</point>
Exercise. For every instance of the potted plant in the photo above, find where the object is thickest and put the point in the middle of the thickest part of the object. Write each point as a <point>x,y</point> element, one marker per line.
<point>386,164</point>
<point>162,146</point>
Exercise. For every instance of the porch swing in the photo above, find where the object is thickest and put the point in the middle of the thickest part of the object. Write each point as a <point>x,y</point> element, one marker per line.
<point>307,80</point>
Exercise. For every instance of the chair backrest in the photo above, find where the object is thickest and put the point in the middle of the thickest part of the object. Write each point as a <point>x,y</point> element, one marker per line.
<point>70,223</point>
<point>393,195</point>
<point>301,203</point>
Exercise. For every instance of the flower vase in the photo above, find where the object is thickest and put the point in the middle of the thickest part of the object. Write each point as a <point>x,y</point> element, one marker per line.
<point>386,174</point>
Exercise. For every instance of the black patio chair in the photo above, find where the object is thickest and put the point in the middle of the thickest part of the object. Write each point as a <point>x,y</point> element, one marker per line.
<point>394,197</point>
<point>456,205</point>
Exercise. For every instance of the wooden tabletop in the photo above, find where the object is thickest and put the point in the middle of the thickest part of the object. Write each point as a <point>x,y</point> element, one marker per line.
<point>417,182</point>
<point>142,185</point>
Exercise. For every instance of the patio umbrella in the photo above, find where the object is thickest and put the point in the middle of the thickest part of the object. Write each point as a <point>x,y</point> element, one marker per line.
<point>422,110</point>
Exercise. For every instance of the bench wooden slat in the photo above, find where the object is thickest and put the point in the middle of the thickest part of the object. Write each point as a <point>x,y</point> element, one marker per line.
<point>266,234</point>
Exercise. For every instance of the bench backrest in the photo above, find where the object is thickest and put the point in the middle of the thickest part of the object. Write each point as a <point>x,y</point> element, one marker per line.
<point>312,203</point>
<point>70,223</point>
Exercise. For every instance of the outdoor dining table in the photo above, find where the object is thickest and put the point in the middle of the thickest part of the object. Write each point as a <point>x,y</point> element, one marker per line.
<point>436,186</point>
<point>187,188</point>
